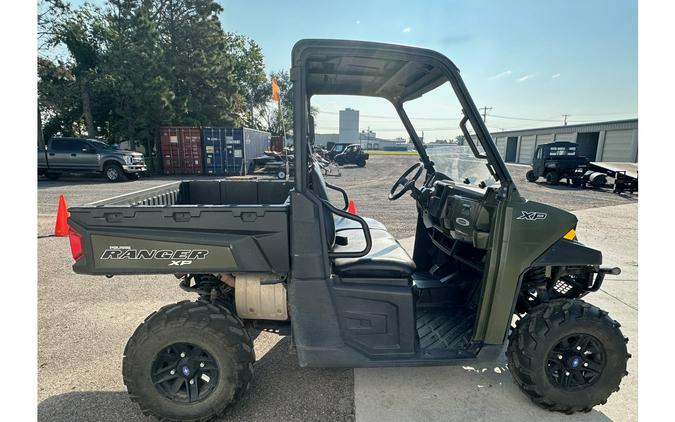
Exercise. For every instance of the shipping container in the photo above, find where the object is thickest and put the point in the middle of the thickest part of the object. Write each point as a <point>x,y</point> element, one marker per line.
<point>229,151</point>
<point>181,149</point>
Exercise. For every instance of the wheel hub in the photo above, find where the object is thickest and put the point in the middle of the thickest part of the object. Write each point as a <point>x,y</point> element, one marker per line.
<point>575,362</point>
<point>184,372</point>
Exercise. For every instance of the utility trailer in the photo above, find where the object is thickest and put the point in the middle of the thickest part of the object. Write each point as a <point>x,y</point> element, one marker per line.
<point>625,175</point>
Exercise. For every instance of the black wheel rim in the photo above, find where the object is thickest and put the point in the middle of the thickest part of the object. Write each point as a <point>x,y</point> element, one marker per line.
<point>185,373</point>
<point>576,362</point>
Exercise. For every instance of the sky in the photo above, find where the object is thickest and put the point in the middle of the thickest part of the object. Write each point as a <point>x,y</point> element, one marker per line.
<point>530,60</point>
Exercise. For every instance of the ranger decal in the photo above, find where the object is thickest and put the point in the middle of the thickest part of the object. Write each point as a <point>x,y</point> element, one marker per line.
<point>177,257</point>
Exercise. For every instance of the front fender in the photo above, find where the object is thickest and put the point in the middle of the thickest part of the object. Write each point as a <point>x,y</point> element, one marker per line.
<point>568,253</point>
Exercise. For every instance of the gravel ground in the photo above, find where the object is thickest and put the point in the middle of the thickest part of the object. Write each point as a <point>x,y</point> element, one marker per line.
<point>85,321</point>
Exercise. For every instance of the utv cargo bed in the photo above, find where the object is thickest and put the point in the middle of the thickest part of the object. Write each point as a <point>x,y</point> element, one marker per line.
<point>186,227</point>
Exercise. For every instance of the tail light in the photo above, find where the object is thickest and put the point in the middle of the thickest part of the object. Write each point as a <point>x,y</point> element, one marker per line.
<point>75,244</point>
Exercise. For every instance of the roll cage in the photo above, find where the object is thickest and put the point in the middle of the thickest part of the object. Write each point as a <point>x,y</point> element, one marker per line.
<point>393,72</point>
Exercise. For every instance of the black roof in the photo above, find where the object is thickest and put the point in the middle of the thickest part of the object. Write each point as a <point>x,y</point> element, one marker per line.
<point>394,72</point>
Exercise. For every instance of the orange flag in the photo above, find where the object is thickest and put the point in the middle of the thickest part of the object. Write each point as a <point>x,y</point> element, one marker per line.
<point>275,91</point>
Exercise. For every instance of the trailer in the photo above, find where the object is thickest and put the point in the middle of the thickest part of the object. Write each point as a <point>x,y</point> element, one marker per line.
<point>625,175</point>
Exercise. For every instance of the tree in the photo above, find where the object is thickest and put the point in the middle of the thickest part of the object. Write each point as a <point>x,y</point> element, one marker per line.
<point>59,105</point>
<point>79,31</point>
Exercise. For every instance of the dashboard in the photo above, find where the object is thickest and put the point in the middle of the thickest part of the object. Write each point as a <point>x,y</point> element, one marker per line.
<point>460,212</point>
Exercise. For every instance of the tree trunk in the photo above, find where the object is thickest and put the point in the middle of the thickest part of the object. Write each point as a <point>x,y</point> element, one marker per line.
<point>41,139</point>
<point>86,107</point>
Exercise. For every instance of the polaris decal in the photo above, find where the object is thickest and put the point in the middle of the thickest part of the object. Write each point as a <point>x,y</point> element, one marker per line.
<point>531,216</point>
<point>462,221</point>
<point>176,257</point>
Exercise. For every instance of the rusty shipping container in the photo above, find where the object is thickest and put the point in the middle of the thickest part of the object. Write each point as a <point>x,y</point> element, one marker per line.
<point>181,149</point>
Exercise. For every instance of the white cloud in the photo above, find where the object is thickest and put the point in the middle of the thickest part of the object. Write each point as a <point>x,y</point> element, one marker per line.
<point>556,76</point>
<point>358,22</point>
<point>500,75</point>
<point>526,77</point>
<point>407,29</point>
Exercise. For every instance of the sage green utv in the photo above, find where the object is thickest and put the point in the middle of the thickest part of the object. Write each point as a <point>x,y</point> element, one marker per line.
<point>490,271</point>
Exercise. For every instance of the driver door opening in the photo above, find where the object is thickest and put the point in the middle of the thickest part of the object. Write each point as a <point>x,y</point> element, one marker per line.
<point>428,297</point>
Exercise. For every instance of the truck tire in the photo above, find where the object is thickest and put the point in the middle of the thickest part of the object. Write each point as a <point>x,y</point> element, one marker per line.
<point>339,161</point>
<point>530,176</point>
<point>113,172</point>
<point>188,361</point>
<point>361,163</point>
<point>552,178</point>
<point>567,355</point>
<point>281,175</point>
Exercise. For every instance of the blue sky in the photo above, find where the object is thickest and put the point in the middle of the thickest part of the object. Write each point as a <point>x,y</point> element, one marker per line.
<point>524,58</point>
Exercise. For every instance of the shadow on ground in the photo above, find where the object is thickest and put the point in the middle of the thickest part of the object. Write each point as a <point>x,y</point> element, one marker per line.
<point>280,391</point>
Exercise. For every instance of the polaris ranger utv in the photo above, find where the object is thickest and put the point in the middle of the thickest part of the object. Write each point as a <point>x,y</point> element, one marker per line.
<point>280,256</point>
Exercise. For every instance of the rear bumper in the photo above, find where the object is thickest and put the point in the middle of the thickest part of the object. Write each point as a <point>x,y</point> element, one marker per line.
<point>134,168</point>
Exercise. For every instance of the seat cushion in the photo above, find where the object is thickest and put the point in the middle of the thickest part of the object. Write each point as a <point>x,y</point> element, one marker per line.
<point>386,258</point>
<point>342,223</point>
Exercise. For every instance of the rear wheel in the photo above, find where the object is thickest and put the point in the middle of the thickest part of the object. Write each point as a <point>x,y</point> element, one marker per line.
<point>188,361</point>
<point>530,176</point>
<point>567,355</point>
<point>552,178</point>
<point>281,175</point>
<point>340,161</point>
<point>113,172</point>
<point>361,162</point>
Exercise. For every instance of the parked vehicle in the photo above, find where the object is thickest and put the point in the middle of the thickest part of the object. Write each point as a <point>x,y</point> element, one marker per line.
<point>83,155</point>
<point>337,148</point>
<point>280,256</point>
<point>559,160</point>
<point>352,154</point>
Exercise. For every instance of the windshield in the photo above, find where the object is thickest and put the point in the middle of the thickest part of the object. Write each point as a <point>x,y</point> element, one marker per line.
<point>563,151</point>
<point>101,145</point>
<point>437,117</point>
<point>459,163</point>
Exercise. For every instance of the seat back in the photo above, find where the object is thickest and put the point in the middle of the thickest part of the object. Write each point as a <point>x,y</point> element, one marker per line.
<point>318,187</point>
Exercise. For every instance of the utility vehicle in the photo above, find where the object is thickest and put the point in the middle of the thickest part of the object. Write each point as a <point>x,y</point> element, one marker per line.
<point>559,160</point>
<point>279,255</point>
<point>352,154</point>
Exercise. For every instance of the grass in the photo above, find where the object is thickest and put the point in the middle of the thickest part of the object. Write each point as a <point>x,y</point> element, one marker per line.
<point>379,152</point>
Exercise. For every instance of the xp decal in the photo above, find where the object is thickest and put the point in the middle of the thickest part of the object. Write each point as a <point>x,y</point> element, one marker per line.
<point>531,215</point>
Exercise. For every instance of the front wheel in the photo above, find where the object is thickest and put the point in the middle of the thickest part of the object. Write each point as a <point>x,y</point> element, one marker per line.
<point>113,172</point>
<point>567,355</point>
<point>361,163</point>
<point>530,176</point>
<point>188,361</point>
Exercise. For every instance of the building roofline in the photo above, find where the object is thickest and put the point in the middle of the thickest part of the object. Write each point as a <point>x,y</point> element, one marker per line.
<point>540,129</point>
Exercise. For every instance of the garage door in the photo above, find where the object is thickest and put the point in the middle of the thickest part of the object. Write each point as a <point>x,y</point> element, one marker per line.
<point>501,146</point>
<point>526,149</point>
<point>544,139</point>
<point>618,146</point>
<point>566,137</point>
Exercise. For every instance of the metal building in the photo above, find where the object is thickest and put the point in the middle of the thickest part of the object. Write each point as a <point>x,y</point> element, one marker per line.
<point>349,125</point>
<point>615,141</point>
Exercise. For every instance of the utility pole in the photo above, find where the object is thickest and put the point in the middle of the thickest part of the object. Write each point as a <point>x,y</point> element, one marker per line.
<point>485,110</point>
<point>565,116</point>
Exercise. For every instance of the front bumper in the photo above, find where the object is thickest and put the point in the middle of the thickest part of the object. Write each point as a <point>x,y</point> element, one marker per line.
<point>134,168</point>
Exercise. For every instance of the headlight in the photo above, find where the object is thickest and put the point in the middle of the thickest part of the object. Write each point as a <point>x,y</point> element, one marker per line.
<point>128,159</point>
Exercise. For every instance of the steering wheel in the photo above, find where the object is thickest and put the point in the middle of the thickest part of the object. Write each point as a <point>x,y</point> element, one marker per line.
<point>403,181</point>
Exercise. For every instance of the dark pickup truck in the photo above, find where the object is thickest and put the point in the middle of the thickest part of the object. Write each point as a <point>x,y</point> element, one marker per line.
<point>81,155</point>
